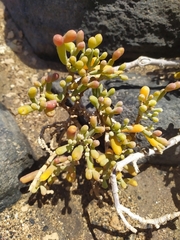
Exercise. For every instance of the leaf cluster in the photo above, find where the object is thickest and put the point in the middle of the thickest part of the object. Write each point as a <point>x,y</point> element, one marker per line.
<point>86,68</point>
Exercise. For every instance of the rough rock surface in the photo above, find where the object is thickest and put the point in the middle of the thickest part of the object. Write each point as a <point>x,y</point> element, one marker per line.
<point>15,155</point>
<point>142,27</point>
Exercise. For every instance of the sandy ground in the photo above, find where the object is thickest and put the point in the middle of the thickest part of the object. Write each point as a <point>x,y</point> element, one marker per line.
<point>73,214</point>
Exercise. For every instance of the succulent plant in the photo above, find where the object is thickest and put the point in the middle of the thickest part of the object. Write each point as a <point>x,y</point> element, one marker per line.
<point>92,68</point>
<point>86,68</point>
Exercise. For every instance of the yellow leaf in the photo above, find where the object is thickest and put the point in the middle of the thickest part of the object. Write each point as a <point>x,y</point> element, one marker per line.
<point>116,146</point>
<point>136,128</point>
<point>145,90</point>
<point>47,173</point>
<point>177,75</point>
<point>77,153</point>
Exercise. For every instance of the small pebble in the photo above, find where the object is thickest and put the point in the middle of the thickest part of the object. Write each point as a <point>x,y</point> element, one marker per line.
<point>10,35</point>
<point>2,49</point>
<point>31,220</point>
<point>115,222</point>
<point>10,94</point>
<point>45,228</point>
<point>25,208</point>
<point>9,61</point>
<point>20,82</point>
<point>53,236</point>
<point>20,72</point>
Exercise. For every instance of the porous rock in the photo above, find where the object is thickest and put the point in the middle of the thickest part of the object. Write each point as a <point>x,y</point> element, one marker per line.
<point>16,156</point>
<point>142,27</point>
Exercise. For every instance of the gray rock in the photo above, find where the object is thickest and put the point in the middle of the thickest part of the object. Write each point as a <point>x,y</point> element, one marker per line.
<point>15,156</point>
<point>142,27</point>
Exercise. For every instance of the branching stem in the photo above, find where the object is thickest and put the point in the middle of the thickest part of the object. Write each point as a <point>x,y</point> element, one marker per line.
<point>133,158</point>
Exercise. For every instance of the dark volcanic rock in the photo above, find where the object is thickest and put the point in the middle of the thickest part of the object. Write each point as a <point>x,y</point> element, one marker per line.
<point>15,155</point>
<point>142,27</point>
